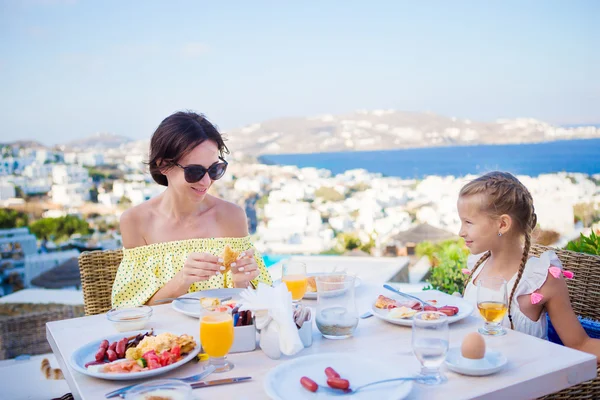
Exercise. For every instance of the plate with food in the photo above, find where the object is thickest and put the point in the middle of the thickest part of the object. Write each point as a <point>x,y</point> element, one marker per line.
<point>134,355</point>
<point>306,377</point>
<point>399,310</point>
<point>189,306</point>
<point>311,289</point>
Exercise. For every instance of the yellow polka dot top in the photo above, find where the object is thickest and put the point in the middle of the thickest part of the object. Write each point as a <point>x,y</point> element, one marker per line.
<point>146,269</point>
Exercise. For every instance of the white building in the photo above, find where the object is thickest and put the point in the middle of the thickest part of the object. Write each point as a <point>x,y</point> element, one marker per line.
<point>71,186</point>
<point>90,159</point>
<point>7,190</point>
<point>14,165</point>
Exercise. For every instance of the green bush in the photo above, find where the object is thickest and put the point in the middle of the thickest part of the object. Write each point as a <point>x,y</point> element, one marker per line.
<point>447,258</point>
<point>589,245</point>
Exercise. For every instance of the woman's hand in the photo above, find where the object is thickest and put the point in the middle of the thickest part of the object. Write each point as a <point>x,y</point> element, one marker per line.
<point>200,267</point>
<point>244,269</point>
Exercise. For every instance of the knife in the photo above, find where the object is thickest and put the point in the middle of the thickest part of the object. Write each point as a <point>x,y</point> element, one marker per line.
<point>194,378</point>
<point>408,296</point>
<point>218,382</point>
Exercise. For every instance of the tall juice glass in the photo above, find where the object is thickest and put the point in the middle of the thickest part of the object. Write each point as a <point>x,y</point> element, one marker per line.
<point>294,277</point>
<point>216,336</point>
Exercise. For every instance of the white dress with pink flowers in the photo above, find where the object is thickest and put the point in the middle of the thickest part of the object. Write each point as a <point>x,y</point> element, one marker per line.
<point>533,278</point>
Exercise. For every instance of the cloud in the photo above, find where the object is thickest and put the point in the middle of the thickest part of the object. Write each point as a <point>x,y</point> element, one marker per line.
<point>194,49</point>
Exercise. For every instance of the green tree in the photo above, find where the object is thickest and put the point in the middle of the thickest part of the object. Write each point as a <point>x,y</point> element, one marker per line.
<point>351,241</point>
<point>19,193</point>
<point>59,229</point>
<point>124,200</point>
<point>94,194</point>
<point>10,218</point>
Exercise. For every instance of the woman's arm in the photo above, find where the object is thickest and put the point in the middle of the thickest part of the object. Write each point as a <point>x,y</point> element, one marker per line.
<point>234,223</point>
<point>198,267</point>
<point>563,317</point>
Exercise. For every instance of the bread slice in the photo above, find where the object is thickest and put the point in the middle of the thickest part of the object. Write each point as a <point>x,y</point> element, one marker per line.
<point>229,256</point>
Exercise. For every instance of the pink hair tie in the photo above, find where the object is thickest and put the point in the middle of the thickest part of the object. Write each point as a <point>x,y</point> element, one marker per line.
<point>536,298</point>
<point>554,271</point>
<point>568,274</point>
<point>466,271</point>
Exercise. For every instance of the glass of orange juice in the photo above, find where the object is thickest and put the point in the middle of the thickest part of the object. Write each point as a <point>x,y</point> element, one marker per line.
<point>294,277</point>
<point>492,304</point>
<point>216,336</point>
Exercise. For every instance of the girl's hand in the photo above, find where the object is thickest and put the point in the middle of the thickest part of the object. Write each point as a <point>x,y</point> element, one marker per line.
<point>244,269</point>
<point>199,267</point>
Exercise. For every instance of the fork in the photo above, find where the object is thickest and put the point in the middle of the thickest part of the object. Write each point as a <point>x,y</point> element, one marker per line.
<point>166,300</point>
<point>345,392</point>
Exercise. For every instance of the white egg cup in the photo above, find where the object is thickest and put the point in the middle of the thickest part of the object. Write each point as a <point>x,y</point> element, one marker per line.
<point>492,362</point>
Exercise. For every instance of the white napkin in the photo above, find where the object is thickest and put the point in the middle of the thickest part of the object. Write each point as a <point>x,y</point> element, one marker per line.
<point>272,308</point>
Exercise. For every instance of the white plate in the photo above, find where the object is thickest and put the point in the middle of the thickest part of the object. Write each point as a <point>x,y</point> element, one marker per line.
<point>313,295</point>
<point>283,381</point>
<point>194,309</point>
<point>464,307</point>
<point>492,362</point>
<point>86,353</point>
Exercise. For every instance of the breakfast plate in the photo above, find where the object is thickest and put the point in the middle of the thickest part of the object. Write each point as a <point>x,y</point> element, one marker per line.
<point>194,309</point>
<point>311,293</point>
<point>283,381</point>
<point>441,299</point>
<point>492,362</point>
<point>86,354</point>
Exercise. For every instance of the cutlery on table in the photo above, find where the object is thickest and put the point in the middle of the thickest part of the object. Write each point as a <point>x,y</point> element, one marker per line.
<point>368,314</point>
<point>186,298</point>
<point>217,382</point>
<point>190,379</point>
<point>344,392</point>
<point>408,296</point>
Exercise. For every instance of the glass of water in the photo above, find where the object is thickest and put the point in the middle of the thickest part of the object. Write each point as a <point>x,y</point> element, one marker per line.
<point>337,316</point>
<point>430,344</point>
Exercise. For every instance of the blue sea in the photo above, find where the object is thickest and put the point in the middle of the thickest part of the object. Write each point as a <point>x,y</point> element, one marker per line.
<point>524,159</point>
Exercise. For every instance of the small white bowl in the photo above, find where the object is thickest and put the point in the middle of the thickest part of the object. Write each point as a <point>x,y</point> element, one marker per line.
<point>130,319</point>
<point>162,388</point>
<point>491,363</point>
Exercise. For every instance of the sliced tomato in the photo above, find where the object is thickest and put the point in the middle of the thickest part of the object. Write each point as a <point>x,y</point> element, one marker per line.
<point>176,350</point>
<point>153,363</point>
<point>164,358</point>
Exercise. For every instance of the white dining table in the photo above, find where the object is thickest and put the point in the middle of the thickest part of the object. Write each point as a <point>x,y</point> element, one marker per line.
<point>535,367</point>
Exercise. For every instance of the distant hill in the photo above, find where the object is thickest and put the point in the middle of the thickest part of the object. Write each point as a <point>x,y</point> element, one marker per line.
<point>25,144</point>
<point>99,141</point>
<point>390,129</point>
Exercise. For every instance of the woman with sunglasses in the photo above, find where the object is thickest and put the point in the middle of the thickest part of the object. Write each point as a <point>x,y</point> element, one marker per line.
<point>173,242</point>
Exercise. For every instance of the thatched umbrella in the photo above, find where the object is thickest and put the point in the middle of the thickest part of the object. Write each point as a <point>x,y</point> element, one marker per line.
<point>421,233</point>
<point>63,275</point>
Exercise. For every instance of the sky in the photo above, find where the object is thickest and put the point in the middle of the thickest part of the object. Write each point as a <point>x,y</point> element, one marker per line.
<point>69,68</point>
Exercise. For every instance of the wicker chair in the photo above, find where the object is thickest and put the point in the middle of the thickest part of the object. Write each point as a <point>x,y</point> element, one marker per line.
<point>98,270</point>
<point>23,326</point>
<point>584,291</point>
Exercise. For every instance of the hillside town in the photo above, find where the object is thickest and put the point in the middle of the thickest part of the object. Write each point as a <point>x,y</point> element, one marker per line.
<point>290,210</point>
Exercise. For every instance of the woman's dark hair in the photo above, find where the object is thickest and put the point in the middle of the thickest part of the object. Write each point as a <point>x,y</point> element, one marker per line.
<point>177,135</point>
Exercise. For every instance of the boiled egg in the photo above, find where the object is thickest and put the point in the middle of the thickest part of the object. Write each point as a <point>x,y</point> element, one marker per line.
<point>473,346</point>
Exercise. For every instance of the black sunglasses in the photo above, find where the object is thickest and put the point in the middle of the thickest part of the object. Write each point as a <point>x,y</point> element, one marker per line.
<point>195,173</point>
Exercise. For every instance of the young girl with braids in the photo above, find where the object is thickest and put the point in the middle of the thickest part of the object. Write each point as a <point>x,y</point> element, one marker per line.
<point>497,218</point>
